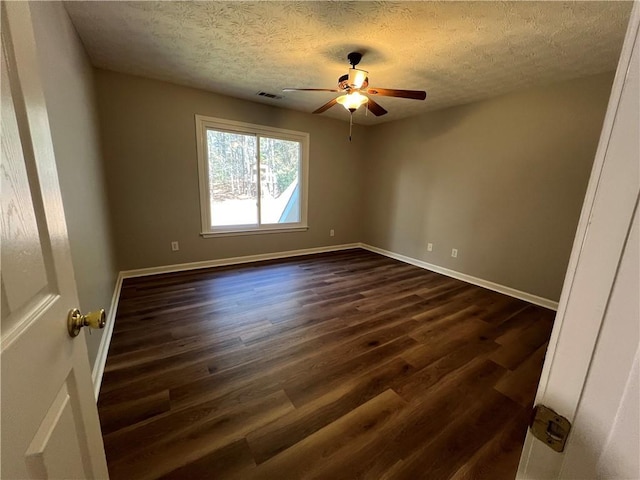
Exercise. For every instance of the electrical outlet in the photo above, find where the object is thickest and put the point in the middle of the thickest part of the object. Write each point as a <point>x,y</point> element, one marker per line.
<point>429,247</point>
<point>454,252</point>
<point>332,232</point>
<point>175,246</point>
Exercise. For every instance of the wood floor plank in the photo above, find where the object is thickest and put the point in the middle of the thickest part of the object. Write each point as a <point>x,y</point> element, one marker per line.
<point>306,458</point>
<point>344,365</point>
<point>426,417</point>
<point>169,351</point>
<point>292,368</point>
<point>231,460</point>
<point>451,448</point>
<point>512,329</point>
<point>115,417</point>
<point>113,393</point>
<point>123,343</point>
<point>437,343</point>
<point>498,457</point>
<point>424,379</point>
<point>513,353</point>
<point>520,385</point>
<point>289,429</point>
<point>178,440</point>
<point>305,388</point>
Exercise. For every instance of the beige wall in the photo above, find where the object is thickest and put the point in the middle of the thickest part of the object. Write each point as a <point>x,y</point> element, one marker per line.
<point>69,92</point>
<point>502,180</point>
<point>149,146</point>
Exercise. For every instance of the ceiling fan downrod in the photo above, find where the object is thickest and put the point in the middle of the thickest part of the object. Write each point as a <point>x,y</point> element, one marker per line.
<point>354,58</point>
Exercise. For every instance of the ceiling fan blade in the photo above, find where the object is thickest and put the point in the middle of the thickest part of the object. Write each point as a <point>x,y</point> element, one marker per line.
<point>326,106</point>
<point>309,90</point>
<point>376,109</point>
<point>390,92</point>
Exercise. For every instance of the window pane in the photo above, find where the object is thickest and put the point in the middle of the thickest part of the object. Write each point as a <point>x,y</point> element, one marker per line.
<point>279,188</point>
<point>232,178</point>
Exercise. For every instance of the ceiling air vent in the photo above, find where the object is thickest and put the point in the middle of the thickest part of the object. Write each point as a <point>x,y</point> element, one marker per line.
<point>270,95</point>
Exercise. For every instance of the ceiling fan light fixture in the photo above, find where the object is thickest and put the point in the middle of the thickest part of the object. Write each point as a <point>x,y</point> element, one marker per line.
<point>357,77</point>
<point>352,84</point>
<point>352,101</point>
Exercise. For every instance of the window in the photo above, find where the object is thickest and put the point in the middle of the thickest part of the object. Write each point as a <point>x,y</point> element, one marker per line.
<point>253,179</point>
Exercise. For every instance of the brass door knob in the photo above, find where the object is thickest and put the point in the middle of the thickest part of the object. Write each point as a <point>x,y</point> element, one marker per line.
<point>75,321</point>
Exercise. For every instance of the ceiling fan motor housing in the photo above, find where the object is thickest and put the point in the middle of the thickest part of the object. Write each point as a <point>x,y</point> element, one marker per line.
<point>343,83</point>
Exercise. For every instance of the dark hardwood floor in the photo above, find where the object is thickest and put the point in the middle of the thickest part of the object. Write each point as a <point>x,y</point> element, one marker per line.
<point>335,366</point>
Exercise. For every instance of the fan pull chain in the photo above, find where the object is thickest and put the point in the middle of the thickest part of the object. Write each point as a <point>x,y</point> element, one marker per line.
<point>350,124</point>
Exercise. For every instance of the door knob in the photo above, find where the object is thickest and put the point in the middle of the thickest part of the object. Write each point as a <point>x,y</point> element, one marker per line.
<point>75,321</point>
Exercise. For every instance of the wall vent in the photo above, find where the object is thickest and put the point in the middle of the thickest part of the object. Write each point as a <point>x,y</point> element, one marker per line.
<point>270,95</point>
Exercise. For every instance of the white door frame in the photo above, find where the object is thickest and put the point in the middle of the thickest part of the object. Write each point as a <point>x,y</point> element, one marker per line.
<point>602,231</point>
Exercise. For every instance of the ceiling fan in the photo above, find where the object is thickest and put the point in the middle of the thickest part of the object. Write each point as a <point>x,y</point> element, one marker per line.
<point>355,88</point>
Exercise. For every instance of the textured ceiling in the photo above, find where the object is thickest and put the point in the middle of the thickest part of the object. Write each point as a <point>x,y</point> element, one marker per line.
<point>457,51</point>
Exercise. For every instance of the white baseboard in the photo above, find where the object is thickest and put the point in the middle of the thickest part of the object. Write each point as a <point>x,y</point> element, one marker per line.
<point>181,267</point>
<point>103,349</point>
<point>496,287</point>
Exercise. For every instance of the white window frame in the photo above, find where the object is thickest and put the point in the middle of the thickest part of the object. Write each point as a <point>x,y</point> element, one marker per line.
<point>203,123</point>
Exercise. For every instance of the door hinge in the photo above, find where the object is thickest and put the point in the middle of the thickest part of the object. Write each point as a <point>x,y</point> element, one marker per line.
<point>549,427</point>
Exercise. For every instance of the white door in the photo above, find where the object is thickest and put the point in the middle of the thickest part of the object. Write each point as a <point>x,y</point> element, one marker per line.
<point>50,425</point>
<point>589,374</point>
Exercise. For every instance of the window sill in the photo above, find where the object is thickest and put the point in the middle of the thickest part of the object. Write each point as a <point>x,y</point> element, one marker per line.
<point>236,233</point>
